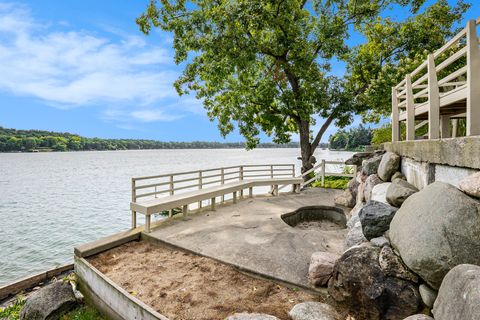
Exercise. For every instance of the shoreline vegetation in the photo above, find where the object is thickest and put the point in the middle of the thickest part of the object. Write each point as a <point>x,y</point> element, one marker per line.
<point>12,140</point>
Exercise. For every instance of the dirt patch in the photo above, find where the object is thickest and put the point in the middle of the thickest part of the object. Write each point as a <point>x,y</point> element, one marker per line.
<point>184,286</point>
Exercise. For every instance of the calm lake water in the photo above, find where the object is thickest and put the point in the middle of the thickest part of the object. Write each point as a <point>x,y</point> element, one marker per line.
<point>51,202</point>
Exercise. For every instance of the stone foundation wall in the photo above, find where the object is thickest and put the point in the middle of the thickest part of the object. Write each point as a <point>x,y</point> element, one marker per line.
<point>446,160</point>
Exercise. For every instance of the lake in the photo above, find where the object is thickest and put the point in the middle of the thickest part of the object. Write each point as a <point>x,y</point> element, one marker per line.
<point>51,202</point>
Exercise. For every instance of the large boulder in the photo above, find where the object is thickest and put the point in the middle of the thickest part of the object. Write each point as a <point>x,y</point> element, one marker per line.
<point>313,311</point>
<point>379,192</point>
<point>355,236</point>
<point>345,199</point>
<point>436,229</point>
<point>321,267</point>
<point>375,218</point>
<point>471,185</point>
<point>370,183</point>
<point>251,316</point>
<point>353,215</point>
<point>49,302</point>
<point>361,193</point>
<point>370,166</point>
<point>388,165</point>
<point>360,285</point>
<point>379,242</point>
<point>398,191</point>
<point>459,295</point>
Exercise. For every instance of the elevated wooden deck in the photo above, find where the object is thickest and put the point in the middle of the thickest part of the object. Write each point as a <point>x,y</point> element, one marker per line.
<point>441,102</point>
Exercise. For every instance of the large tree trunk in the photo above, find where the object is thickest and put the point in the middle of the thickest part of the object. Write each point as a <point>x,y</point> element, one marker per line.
<point>305,147</point>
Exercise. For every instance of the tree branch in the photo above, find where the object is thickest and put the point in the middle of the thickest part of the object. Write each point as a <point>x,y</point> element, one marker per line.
<point>322,130</point>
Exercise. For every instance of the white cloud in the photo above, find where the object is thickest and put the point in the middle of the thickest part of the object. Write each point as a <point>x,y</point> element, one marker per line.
<point>152,115</point>
<point>76,68</point>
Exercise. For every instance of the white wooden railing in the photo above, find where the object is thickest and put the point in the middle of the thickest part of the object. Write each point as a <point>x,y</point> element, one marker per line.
<point>320,172</point>
<point>455,95</point>
<point>172,183</point>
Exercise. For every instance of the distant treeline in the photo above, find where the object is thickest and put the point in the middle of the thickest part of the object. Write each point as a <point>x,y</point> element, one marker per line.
<point>37,140</point>
<point>353,140</point>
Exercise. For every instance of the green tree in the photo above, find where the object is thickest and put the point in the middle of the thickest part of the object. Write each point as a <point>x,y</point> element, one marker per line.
<point>338,140</point>
<point>393,49</point>
<point>264,64</point>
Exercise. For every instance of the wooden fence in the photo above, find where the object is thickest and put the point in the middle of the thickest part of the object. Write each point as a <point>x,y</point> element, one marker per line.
<point>320,172</point>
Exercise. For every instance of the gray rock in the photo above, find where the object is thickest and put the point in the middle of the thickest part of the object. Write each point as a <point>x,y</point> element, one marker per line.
<point>392,265</point>
<point>361,177</point>
<point>370,166</point>
<point>471,185</point>
<point>361,193</point>
<point>436,229</point>
<point>354,218</point>
<point>313,311</point>
<point>358,158</point>
<point>345,199</point>
<point>398,191</point>
<point>359,284</point>
<point>251,316</point>
<point>459,295</point>
<point>49,302</point>
<point>321,267</point>
<point>370,183</point>
<point>355,236</point>
<point>398,175</point>
<point>375,218</point>
<point>419,317</point>
<point>379,241</point>
<point>379,192</point>
<point>353,187</point>
<point>388,166</point>
<point>428,295</point>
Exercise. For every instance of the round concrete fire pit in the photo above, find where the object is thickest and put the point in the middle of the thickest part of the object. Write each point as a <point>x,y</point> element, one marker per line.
<point>316,217</point>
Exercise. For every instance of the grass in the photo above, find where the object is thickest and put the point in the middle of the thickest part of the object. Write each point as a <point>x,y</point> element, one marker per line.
<point>12,312</point>
<point>332,182</point>
<point>83,313</point>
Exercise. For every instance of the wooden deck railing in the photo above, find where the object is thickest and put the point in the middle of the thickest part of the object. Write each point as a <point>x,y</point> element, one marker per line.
<point>170,184</point>
<point>442,89</point>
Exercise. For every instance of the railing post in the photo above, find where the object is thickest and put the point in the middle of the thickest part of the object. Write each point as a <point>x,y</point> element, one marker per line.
<point>134,198</point>
<point>200,186</point>
<point>222,181</point>
<point>323,172</point>
<point>395,121</point>
<point>241,179</point>
<point>473,80</point>
<point>170,213</point>
<point>433,100</point>
<point>293,170</point>
<point>410,108</point>
<point>271,171</point>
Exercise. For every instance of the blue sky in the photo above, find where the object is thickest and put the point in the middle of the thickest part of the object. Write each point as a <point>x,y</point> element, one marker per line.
<point>84,67</point>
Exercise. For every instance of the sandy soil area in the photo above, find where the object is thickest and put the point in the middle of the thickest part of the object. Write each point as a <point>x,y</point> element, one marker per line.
<point>183,286</point>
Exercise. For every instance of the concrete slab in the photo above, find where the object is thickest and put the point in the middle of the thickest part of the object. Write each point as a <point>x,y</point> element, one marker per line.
<point>252,235</point>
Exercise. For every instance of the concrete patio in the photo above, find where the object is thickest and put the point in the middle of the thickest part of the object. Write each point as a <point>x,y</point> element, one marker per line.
<point>252,235</point>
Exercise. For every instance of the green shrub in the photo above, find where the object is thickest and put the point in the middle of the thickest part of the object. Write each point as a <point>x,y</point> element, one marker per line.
<point>333,182</point>
<point>12,312</point>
